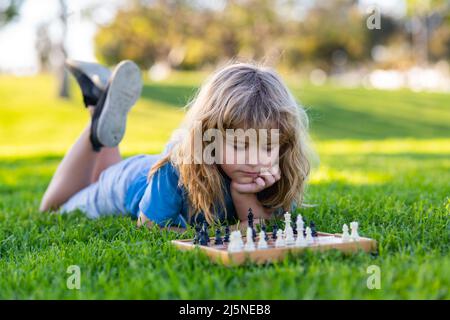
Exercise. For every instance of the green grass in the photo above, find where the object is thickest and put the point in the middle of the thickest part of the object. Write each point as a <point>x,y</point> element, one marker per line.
<point>384,161</point>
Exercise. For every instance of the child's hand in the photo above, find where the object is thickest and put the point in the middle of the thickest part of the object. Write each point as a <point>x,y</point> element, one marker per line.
<point>261,182</point>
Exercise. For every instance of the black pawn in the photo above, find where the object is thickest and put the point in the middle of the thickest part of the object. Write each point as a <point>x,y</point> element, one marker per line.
<point>204,237</point>
<point>312,225</point>
<point>226,239</point>
<point>263,228</point>
<point>274,232</point>
<point>197,234</point>
<point>218,240</point>
<point>205,227</point>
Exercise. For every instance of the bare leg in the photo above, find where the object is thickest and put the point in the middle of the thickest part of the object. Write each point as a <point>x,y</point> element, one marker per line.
<point>80,167</point>
<point>106,158</point>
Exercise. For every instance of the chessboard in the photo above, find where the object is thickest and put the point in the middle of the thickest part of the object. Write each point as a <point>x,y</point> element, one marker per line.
<point>320,242</point>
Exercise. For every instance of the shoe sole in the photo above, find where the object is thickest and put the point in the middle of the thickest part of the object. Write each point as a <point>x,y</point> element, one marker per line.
<point>124,90</point>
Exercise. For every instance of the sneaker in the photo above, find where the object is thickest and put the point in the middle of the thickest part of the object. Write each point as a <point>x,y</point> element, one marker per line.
<point>110,113</point>
<point>91,77</point>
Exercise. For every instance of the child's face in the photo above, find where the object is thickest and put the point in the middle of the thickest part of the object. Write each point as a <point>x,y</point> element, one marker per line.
<point>244,162</point>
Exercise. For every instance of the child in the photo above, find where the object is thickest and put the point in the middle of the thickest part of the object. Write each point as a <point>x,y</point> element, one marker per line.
<point>175,189</point>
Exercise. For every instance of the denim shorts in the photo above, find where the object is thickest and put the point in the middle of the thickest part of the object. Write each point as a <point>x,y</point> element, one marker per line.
<point>107,195</point>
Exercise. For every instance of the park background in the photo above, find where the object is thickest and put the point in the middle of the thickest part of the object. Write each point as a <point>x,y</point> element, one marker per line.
<point>373,75</point>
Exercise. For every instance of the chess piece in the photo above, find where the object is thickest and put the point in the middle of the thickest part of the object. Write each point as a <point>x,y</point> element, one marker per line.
<point>263,228</point>
<point>249,245</point>
<point>274,232</point>
<point>250,220</point>
<point>235,242</point>
<point>218,239</point>
<point>312,225</point>
<point>262,243</point>
<point>345,234</point>
<point>309,237</point>
<point>203,237</point>
<point>354,234</point>
<point>197,234</point>
<point>280,239</point>
<point>226,238</point>
<point>250,217</point>
<point>300,241</point>
<point>300,225</point>
<point>288,232</point>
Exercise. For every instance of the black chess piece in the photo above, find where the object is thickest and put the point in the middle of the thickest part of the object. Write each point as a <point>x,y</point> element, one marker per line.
<point>274,232</point>
<point>312,225</point>
<point>263,228</point>
<point>218,239</point>
<point>250,217</point>
<point>226,239</point>
<point>204,236</point>
<point>206,231</point>
<point>197,234</point>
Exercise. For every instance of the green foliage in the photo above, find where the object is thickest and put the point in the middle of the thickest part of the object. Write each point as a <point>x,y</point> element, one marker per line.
<point>385,162</point>
<point>9,10</point>
<point>247,29</point>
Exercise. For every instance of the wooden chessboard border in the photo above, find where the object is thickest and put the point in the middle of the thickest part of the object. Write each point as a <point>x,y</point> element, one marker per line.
<point>220,254</point>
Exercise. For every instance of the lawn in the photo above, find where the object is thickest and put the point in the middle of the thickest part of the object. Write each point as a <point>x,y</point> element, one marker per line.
<point>384,161</point>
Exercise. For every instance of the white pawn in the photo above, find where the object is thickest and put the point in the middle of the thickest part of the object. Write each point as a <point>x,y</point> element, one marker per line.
<point>300,224</point>
<point>309,237</point>
<point>280,240</point>
<point>262,243</point>
<point>249,245</point>
<point>345,234</point>
<point>289,236</point>
<point>300,241</point>
<point>354,226</point>
<point>235,242</point>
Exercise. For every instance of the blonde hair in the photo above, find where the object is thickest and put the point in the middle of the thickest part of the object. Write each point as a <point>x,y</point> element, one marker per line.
<point>236,94</point>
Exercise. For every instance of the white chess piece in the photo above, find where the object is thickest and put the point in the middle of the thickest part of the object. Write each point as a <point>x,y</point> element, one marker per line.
<point>345,234</point>
<point>309,237</point>
<point>288,231</point>
<point>249,245</point>
<point>354,226</point>
<point>262,243</point>
<point>300,224</point>
<point>300,241</point>
<point>280,239</point>
<point>236,243</point>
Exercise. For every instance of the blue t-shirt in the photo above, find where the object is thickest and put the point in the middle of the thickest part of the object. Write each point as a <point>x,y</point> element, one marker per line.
<point>165,203</point>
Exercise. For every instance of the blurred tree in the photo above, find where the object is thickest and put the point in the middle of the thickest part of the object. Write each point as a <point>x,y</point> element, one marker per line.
<point>62,73</point>
<point>188,34</point>
<point>43,46</point>
<point>9,9</point>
